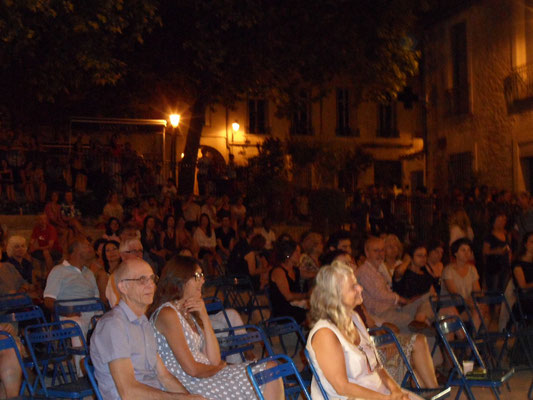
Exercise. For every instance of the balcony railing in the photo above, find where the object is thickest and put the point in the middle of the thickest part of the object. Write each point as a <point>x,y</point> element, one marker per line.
<point>457,100</point>
<point>518,86</point>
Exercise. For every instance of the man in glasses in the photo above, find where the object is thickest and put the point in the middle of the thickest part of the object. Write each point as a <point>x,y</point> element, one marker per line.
<point>123,346</point>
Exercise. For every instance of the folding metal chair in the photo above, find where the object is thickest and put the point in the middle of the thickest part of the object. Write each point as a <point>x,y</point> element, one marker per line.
<point>239,294</point>
<point>315,375</point>
<point>384,336</point>
<point>284,369</point>
<point>214,305</point>
<point>493,379</point>
<point>14,301</point>
<point>89,368</point>
<point>57,338</point>
<point>239,343</point>
<point>283,327</point>
<point>76,306</point>
<point>8,342</point>
<point>491,339</point>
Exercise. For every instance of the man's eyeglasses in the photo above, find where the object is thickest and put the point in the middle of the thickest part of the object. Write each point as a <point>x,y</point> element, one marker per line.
<point>198,275</point>
<point>143,280</point>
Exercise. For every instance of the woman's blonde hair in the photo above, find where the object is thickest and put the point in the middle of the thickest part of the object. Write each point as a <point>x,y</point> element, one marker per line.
<point>311,241</point>
<point>393,239</point>
<point>326,299</point>
<point>460,218</point>
<point>12,242</point>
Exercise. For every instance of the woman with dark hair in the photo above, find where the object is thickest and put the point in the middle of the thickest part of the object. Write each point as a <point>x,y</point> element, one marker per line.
<point>6,174</point>
<point>186,341</point>
<point>168,236</point>
<point>288,298</point>
<point>258,267</point>
<point>434,265</point>
<point>461,277</point>
<point>184,239</point>
<point>497,253</point>
<point>151,243</point>
<point>111,260</point>
<point>112,230</point>
<point>523,270</point>
<point>206,239</point>
<point>414,280</point>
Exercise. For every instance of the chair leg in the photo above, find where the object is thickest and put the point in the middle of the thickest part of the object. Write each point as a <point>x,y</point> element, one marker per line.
<point>459,391</point>
<point>530,393</point>
<point>469,393</point>
<point>495,391</point>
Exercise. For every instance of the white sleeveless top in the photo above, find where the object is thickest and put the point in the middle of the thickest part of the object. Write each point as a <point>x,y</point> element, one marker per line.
<point>357,366</point>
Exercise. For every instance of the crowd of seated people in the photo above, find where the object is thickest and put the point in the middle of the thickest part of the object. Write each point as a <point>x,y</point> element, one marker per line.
<point>371,279</point>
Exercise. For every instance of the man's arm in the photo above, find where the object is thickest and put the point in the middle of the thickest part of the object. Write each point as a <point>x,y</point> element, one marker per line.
<point>169,381</point>
<point>130,389</point>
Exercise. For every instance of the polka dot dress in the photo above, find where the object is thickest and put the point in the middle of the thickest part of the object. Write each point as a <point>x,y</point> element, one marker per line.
<point>229,383</point>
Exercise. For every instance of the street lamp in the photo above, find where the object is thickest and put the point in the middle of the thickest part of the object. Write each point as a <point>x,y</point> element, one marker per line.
<point>174,121</point>
<point>235,127</point>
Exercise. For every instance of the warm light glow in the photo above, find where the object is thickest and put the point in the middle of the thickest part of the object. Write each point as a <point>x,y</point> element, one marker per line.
<point>182,155</point>
<point>235,126</point>
<point>175,120</point>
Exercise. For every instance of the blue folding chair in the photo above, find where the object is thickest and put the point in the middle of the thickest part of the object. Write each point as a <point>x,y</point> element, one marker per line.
<point>493,379</point>
<point>492,339</point>
<point>89,368</point>
<point>239,343</point>
<point>315,375</point>
<point>383,336</point>
<point>214,305</point>
<point>283,327</point>
<point>14,301</point>
<point>76,306</point>
<point>57,337</point>
<point>8,342</point>
<point>284,369</point>
<point>239,294</point>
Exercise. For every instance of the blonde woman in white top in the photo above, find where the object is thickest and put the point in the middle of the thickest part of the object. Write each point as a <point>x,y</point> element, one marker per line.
<point>339,345</point>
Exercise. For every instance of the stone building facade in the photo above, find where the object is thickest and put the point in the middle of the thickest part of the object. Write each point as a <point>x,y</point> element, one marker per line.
<point>478,85</point>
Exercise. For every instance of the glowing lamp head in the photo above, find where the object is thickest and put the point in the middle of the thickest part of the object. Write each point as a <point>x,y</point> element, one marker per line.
<point>235,126</point>
<point>175,120</point>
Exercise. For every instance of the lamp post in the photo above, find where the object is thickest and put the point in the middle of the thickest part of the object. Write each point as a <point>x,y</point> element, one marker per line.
<point>235,128</point>
<point>174,122</point>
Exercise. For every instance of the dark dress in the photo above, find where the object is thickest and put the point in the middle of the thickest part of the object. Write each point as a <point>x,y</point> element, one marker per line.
<point>413,284</point>
<point>497,268</point>
<point>25,268</point>
<point>169,243</point>
<point>280,306</point>
<point>527,267</point>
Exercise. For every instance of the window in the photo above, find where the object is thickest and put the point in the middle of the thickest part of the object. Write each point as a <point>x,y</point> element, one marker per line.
<point>343,112</point>
<point>301,116</point>
<point>257,116</point>
<point>387,127</point>
<point>460,93</point>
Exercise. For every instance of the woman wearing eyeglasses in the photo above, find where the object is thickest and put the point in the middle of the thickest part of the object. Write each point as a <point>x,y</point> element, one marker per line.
<point>186,341</point>
<point>339,345</point>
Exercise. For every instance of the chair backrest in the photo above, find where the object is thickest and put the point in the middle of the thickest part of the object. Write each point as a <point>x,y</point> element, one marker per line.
<point>495,299</point>
<point>285,368</point>
<point>383,336</point>
<point>282,326</point>
<point>14,301</point>
<point>237,342</point>
<point>214,305</point>
<point>453,324</point>
<point>89,368</point>
<point>74,306</point>
<point>57,337</point>
<point>450,300</point>
<point>31,313</point>
<point>8,342</point>
<point>315,375</point>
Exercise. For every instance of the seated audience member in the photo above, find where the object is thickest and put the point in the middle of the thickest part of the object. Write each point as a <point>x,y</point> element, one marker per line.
<point>339,345</point>
<point>249,225</point>
<point>166,207</point>
<point>152,244</point>
<point>12,282</point>
<point>312,249</point>
<point>238,212</point>
<point>288,297</point>
<point>113,208</point>
<point>184,238</point>
<point>168,236</point>
<point>340,241</point>
<point>258,268</point>
<point>225,235</point>
<point>210,209</point>
<point>434,265</point>
<point>130,231</point>
<point>123,346</point>
<point>414,346</point>
<point>112,230</point>
<point>461,277</point>
<point>72,279</point>
<point>71,215</point>
<point>393,257</point>
<point>18,257</point>
<point>10,372</point>
<point>180,319</point>
<point>53,212</point>
<point>140,212</point>
<point>497,253</point>
<point>205,236</point>
<point>169,190</point>
<point>97,264</point>
<point>153,208</point>
<point>236,264</point>
<point>460,226</point>
<point>268,233</point>
<point>523,270</point>
<point>224,207</point>
<point>44,244</point>
<point>382,302</point>
<point>191,211</point>
<point>111,260</point>
<point>414,280</point>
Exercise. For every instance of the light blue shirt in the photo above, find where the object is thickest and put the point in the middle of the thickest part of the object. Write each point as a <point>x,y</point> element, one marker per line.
<point>120,333</point>
<point>67,282</point>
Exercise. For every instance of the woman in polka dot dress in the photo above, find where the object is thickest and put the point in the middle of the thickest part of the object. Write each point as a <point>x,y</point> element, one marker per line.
<point>187,343</point>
